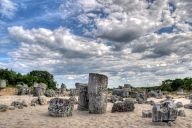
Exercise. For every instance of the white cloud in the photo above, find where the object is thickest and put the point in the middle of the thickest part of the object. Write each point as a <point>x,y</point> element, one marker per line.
<point>7,8</point>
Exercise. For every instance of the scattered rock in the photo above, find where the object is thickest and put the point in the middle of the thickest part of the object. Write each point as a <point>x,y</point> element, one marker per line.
<point>19,104</point>
<point>3,108</point>
<point>146,113</point>
<point>50,93</point>
<point>151,102</point>
<point>115,98</point>
<point>164,112</point>
<point>188,106</point>
<point>141,98</point>
<point>39,101</point>
<point>179,104</point>
<point>181,113</point>
<point>60,107</point>
<point>11,108</point>
<point>73,100</point>
<point>23,89</point>
<point>123,106</point>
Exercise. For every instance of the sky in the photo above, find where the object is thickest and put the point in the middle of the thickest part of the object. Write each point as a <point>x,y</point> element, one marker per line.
<point>140,42</point>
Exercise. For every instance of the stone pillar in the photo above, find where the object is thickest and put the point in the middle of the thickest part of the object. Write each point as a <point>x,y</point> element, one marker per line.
<point>2,84</point>
<point>83,99</point>
<point>97,91</point>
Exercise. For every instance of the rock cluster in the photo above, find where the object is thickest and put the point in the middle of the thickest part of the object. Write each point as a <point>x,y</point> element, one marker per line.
<point>164,112</point>
<point>60,107</point>
<point>122,92</point>
<point>38,101</point>
<point>97,92</point>
<point>146,113</point>
<point>123,106</point>
<point>19,104</point>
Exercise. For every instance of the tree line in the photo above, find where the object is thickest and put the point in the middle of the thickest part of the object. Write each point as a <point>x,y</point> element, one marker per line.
<point>13,78</point>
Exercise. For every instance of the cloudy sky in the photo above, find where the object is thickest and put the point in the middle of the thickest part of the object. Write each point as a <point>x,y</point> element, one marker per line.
<point>140,42</point>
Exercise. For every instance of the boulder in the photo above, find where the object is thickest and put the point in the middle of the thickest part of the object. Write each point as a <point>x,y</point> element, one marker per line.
<point>179,104</point>
<point>146,113</point>
<point>123,106</point>
<point>39,89</point>
<point>73,99</point>
<point>188,106</point>
<point>23,89</point>
<point>19,104</point>
<point>50,93</point>
<point>141,98</point>
<point>115,98</point>
<point>60,107</point>
<point>39,101</point>
<point>164,112</point>
<point>181,113</point>
<point>3,108</point>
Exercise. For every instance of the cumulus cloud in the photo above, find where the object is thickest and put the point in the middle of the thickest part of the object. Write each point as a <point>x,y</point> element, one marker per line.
<point>7,8</point>
<point>126,42</point>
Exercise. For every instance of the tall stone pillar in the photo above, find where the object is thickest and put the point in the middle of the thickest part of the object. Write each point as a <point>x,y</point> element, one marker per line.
<point>83,99</point>
<point>97,91</point>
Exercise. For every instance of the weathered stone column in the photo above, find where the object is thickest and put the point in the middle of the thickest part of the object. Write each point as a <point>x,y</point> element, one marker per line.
<point>97,91</point>
<point>83,99</point>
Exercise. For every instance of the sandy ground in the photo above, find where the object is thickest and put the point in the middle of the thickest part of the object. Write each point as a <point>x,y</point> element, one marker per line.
<point>37,117</point>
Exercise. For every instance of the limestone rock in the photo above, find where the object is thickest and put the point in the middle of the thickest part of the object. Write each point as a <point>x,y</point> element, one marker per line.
<point>60,107</point>
<point>83,99</point>
<point>181,113</point>
<point>164,112</point>
<point>50,93</point>
<point>19,104</point>
<point>146,113</point>
<point>73,100</point>
<point>3,84</point>
<point>39,89</point>
<point>23,89</point>
<point>141,98</point>
<point>115,98</point>
<point>97,91</point>
<point>123,106</point>
<point>179,104</point>
<point>39,101</point>
<point>188,106</point>
<point>3,108</point>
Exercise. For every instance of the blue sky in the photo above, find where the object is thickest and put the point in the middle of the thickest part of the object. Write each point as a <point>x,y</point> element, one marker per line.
<point>140,42</point>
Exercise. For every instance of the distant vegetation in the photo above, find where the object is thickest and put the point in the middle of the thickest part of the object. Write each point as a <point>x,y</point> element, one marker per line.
<point>13,78</point>
<point>173,85</point>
